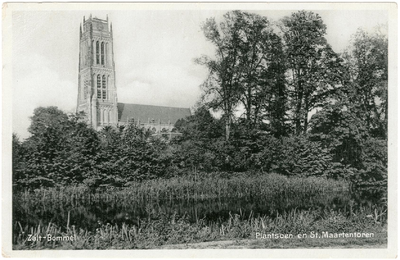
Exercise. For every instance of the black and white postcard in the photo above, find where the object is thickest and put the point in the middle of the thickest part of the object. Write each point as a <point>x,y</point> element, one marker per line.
<point>180,128</point>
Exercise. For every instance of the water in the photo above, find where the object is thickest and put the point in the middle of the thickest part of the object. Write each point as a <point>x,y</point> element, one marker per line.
<point>92,213</point>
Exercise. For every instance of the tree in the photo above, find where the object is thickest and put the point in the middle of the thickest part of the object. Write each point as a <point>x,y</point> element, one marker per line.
<point>61,149</point>
<point>127,154</point>
<point>260,61</point>
<point>341,132</point>
<point>44,118</point>
<point>221,88</point>
<point>199,126</point>
<point>76,156</point>
<point>195,148</point>
<point>274,105</point>
<point>355,154</point>
<point>367,90</point>
<point>248,69</point>
<point>314,69</point>
<point>18,153</point>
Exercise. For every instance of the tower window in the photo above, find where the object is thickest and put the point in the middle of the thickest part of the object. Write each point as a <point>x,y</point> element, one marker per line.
<point>98,87</point>
<point>104,84</point>
<point>97,53</point>
<point>102,53</point>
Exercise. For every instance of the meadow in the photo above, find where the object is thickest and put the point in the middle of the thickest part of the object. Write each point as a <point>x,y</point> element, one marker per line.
<point>192,209</point>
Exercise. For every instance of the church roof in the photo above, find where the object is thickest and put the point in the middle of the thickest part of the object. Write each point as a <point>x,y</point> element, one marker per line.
<point>144,113</point>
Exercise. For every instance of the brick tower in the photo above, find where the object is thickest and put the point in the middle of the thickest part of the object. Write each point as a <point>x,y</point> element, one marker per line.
<point>97,93</point>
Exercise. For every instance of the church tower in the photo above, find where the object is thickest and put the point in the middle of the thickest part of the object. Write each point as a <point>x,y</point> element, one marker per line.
<point>97,93</point>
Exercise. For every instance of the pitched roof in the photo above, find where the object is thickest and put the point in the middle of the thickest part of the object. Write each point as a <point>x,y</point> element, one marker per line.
<point>144,113</point>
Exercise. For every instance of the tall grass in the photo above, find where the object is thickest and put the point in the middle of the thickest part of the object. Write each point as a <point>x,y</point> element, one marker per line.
<point>178,230</point>
<point>187,188</point>
<point>267,192</point>
<point>154,212</point>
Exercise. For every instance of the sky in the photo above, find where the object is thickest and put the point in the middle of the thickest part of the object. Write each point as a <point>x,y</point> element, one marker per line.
<point>154,52</point>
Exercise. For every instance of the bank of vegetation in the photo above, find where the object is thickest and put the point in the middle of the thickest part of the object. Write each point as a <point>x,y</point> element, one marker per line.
<point>193,209</point>
<point>309,151</point>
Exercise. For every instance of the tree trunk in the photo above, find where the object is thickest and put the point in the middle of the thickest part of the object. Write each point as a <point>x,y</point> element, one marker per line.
<point>306,114</point>
<point>248,105</point>
<point>298,108</point>
<point>281,107</point>
<point>227,128</point>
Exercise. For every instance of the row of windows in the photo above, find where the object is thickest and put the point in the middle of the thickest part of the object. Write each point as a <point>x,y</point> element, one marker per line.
<point>100,52</point>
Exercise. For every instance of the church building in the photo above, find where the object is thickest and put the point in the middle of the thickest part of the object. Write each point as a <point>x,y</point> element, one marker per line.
<point>97,90</point>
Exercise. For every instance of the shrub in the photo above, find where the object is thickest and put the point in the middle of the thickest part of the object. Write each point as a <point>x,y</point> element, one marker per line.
<point>373,172</point>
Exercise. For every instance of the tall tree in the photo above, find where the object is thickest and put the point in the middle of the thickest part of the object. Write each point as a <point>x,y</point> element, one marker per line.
<point>260,63</point>
<point>367,90</point>
<point>221,88</point>
<point>274,105</point>
<point>314,69</point>
<point>248,68</point>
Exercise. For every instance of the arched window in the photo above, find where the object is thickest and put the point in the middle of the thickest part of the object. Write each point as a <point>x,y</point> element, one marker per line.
<point>98,87</point>
<point>102,53</point>
<point>104,84</point>
<point>97,53</point>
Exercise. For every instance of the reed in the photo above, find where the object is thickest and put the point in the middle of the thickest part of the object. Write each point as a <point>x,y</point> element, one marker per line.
<point>175,209</point>
<point>178,230</point>
<point>207,187</point>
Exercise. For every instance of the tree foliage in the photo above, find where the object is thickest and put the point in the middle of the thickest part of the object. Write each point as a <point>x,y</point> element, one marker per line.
<point>220,90</point>
<point>314,69</point>
<point>367,89</point>
<point>63,149</point>
<point>200,126</point>
<point>248,69</point>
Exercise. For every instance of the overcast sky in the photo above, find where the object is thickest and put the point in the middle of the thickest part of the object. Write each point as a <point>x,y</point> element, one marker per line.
<point>154,52</point>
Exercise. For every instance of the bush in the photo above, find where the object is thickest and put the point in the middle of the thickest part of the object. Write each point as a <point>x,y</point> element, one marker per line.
<point>293,156</point>
<point>373,172</point>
